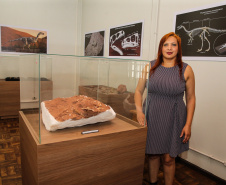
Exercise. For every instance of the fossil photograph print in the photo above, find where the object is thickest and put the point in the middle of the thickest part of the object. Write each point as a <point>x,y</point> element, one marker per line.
<point>203,33</point>
<point>94,44</point>
<point>126,41</point>
<point>20,40</point>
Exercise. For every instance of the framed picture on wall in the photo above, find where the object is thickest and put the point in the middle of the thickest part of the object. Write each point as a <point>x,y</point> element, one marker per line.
<point>94,43</point>
<point>125,41</point>
<point>22,40</point>
<point>203,32</point>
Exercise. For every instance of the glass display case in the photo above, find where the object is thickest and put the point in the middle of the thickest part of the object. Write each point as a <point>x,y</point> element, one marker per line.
<point>47,77</point>
<point>99,93</point>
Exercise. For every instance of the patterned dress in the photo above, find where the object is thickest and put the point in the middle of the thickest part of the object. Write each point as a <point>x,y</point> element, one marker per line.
<point>166,111</point>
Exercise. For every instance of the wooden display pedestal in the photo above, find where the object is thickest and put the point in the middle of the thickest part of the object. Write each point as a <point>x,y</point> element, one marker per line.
<point>114,155</point>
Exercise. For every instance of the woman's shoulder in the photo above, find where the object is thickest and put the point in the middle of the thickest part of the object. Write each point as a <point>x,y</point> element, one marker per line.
<point>187,69</point>
<point>152,62</point>
<point>188,72</point>
<point>185,64</point>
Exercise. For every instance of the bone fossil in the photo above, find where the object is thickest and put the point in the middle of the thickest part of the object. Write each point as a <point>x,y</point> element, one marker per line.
<point>221,49</point>
<point>201,32</point>
<point>27,41</point>
<point>223,46</point>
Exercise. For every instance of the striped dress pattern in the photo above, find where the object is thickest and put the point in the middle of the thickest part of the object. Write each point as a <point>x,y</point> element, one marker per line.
<point>166,111</point>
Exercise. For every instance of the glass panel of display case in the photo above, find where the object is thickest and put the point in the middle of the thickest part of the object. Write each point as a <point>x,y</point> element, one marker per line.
<point>55,84</point>
<point>113,82</point>
<point>9,66</point>
<point>36,86</point>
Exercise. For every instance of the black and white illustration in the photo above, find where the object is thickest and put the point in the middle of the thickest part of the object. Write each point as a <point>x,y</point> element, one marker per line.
<point>94,44</point>
<point>126,40</point>
<point>203,32</point>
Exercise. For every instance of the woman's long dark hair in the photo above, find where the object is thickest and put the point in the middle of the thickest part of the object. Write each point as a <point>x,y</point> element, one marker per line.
<point>159,59</point>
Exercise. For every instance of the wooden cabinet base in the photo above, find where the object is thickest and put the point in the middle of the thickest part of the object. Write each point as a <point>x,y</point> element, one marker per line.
<point>9,98</point>
<point>115,155</point>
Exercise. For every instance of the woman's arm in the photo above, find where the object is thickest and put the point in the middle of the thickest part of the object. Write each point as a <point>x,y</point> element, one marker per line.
<point>139,93</point>
<point>190,102</point>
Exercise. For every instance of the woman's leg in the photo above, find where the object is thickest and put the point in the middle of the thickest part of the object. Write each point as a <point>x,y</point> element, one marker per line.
<point>154,163</point>
<point>169,169</point>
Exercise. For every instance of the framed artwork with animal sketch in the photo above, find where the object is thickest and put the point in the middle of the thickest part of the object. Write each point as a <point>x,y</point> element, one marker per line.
<point>125,41</point>
<point>21,40</point>
<point>203,32</point>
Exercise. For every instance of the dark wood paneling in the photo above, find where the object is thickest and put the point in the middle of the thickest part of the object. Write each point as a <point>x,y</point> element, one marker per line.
<point>9,98</point>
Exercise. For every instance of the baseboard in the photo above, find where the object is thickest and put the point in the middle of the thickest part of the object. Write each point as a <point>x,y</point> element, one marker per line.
<point>202,171</point>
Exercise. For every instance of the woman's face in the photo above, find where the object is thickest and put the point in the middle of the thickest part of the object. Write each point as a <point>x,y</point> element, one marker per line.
<point>170,48</point>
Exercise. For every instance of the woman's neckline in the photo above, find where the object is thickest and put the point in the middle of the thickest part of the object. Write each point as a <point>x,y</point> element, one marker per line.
<point>175,64</point>
<point>168,67</point>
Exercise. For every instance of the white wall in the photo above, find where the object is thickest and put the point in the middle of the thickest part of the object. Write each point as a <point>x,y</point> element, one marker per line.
<point>208,137</point>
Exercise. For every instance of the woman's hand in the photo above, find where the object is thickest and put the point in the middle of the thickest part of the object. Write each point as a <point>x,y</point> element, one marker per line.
<point>190,102</point>
<point>141,118</point>
<point>138,96</point>
<point>187,133</point>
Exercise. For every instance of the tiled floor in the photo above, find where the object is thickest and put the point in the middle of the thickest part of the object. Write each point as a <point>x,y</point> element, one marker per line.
<point>10,161</point>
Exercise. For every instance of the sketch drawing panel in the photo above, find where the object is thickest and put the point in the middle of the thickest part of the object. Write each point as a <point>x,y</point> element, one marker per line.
<point>126,41</point>
<point>202,32</point>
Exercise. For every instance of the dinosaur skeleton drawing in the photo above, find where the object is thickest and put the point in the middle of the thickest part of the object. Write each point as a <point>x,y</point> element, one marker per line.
<point>114,38</point>
<point>201,32</point>
<point>130,41</point>
<point>27,41</point>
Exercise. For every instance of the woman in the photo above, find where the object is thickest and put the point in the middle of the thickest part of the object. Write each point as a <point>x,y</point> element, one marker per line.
<point>168,118</point>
